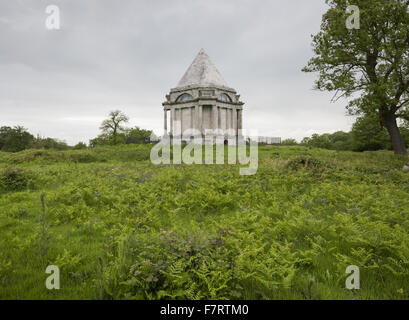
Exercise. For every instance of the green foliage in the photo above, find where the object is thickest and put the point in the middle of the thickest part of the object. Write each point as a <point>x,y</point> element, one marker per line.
<point>18,139</point>
<point>125,229</point>
<point>49,143</point>
<point>368,134</point>
<point>341,141</point>
<point>114,133</point>
<point>44,236</point>
<point>318,141</point>
<point>128,136</point>
<point>15,139</point>
<point>307,162</point>
<point>371,62</point>
<point>114,125</point>
<point>80,146</point>
<point>289,142</point>
<point>404,129</point>
<point>105,139</point>
<point>138,136</point>
<point>171,266</point>
<point>68,262</point>
<point>99,154</point>
<point>336,141</point>
<point>16,179</point>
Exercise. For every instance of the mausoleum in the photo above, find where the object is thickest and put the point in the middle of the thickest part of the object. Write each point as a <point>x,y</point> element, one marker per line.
<point>202,100</point>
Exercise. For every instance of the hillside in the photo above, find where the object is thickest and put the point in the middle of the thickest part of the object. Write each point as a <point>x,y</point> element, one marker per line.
<point>119,227</point>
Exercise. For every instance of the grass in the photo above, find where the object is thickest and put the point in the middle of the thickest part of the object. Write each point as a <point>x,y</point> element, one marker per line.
<point>119,227</point>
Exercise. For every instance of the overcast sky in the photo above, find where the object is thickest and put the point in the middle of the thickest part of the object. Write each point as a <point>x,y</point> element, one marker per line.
<point>127,55</point>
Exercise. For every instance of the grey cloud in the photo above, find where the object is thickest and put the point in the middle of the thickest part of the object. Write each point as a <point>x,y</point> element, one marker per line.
<point>128,54</point>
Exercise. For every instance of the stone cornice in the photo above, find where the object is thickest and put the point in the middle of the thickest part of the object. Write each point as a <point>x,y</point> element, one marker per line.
<point>181,89</point>
<point>199,100</point>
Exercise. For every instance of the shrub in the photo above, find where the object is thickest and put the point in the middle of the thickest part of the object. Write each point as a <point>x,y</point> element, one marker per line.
<point>50,143</point>
<point>83,157</point>
<point>16,179</point>
<point>368,134</point>
<point>15,139</point>
<point>289,142</point>
<point>80,146</point>
<point>171,266</point>
<point>304,161</point>
<point>134,155</point>
<point>34,155</point>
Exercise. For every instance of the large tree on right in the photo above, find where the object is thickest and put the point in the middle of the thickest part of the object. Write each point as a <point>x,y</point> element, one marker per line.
<point>364,56</point>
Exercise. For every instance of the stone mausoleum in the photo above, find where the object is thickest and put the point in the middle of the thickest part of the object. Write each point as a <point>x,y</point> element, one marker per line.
<point>202,100</point>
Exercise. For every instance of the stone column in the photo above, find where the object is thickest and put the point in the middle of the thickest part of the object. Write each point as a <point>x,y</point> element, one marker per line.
<point>196,120</point>
<point>179,122</point>
<point>215,118</point>
<point>182,125</point>
<point>219,122</point>
<point>192,121</point>
<point>239,124</point>
<point>165,123</point>
<point>172,119</point>
<point>234,114</point>
<point>228,119</point>
<point>240,119</point>
<point>231,114</point>
<point>199,118</point>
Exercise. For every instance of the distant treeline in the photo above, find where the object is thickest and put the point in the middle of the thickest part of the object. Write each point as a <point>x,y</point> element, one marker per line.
<point>14,139</point>
<point>126,136</point>
<point>367,134</point>
<point>114,133</point>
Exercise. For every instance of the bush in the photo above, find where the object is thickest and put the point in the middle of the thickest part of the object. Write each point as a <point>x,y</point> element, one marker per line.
<point>83,157</point>
<point>15,139</point>
<point>80,146</point>
<point>289,142</point>
<point>34,155</point>
<point>306,162</point>
<point>369,135</point>
<point>171,266</point>
<point>16,179</point>
<point>134,155</point>
<point>50,143</point>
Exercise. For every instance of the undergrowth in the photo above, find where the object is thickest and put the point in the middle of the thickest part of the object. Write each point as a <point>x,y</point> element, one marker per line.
<point>121,228</point>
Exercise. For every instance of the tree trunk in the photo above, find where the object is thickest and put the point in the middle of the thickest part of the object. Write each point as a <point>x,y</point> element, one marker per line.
<point>114,134</point>
<point>389,121</point>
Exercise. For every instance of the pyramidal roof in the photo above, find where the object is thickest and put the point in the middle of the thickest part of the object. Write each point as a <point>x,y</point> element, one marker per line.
<point>202,72</point>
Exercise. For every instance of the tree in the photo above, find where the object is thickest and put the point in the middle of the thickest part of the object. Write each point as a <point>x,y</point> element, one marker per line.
<point>137,135</point>
<point>113,125</point>
<point>289,142</point>
<point>4,132</point>
<point>80,145</point>
<point>15,139</point>
<point>371,62</point>
<point>333,141</point>
<point>50,143</point>
<point>404,129</point>
<point>318,141</point>
<point>102,139</point>
<point>341,140</point>
<point>368,134</point>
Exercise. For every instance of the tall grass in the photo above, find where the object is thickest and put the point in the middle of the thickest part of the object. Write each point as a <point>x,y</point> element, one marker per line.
<point>121,228</point>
